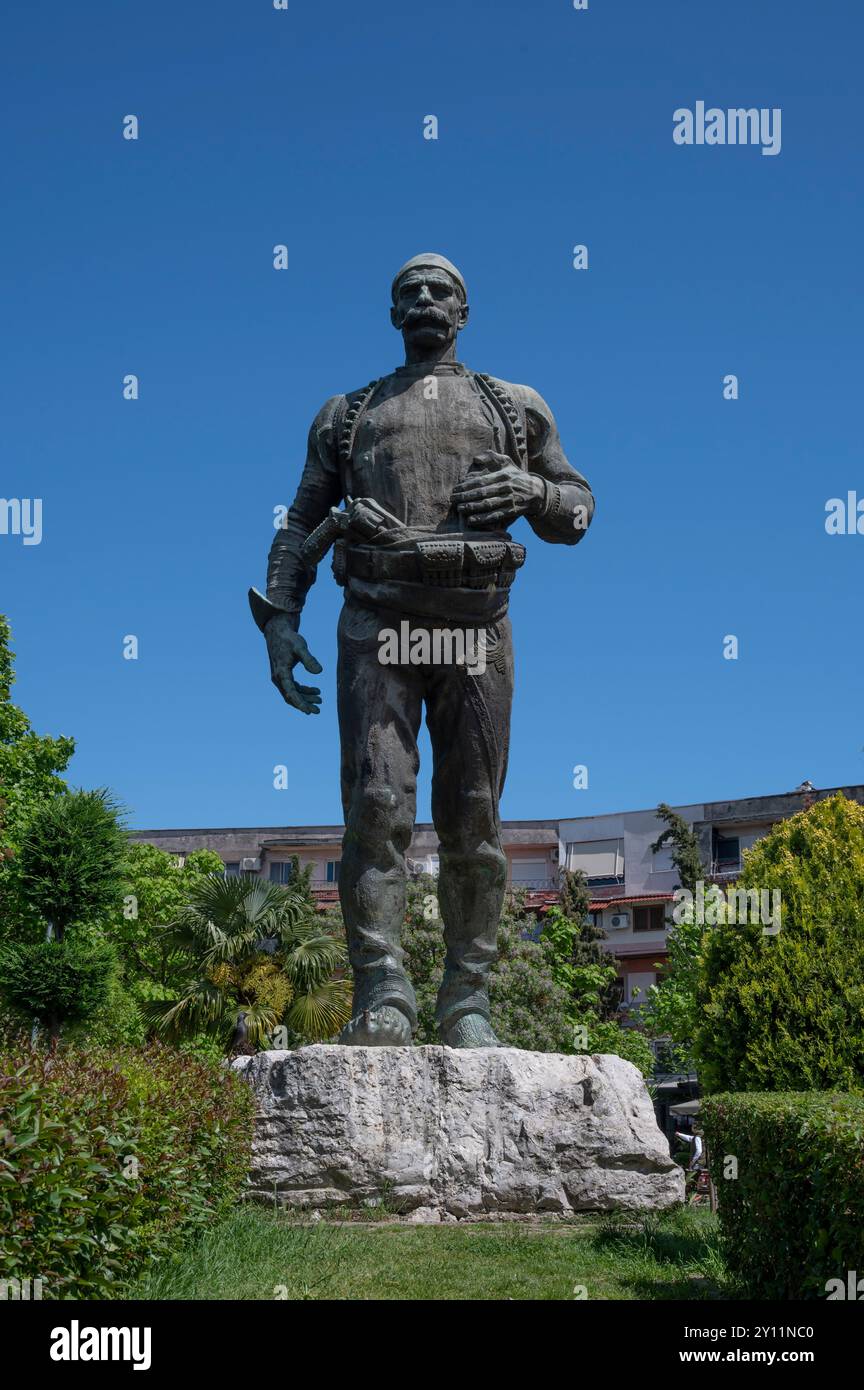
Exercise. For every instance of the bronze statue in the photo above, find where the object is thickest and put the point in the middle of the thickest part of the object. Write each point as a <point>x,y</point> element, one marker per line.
<point>432,463</point>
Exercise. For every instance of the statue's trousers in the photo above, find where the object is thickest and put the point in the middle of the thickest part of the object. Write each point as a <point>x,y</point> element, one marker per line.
<point>468,717</point>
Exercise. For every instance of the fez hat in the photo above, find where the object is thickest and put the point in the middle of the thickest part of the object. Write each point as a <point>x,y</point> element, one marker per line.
<point>429,260</point>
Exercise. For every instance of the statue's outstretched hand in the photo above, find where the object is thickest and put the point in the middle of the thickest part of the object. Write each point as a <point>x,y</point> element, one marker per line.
<point>286,647</point>
<point>495,492</point>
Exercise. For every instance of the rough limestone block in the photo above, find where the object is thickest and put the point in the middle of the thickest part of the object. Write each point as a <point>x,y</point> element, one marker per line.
<point>456,1133</point>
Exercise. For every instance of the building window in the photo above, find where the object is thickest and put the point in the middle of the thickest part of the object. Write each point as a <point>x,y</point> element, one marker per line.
<point>280,872</point>
<point>601,861</point>
<point>529,873</point>
<point>232,870</point>
<point>651,917</point>
<point>333,870</point>
<point>728,852</point>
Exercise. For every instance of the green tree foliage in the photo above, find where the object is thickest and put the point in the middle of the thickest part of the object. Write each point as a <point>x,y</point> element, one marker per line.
<point>583,970</point>
<point>72,860</point>
<point>685,851</point>
<point>592,985</point>
<point>70,875</point>
<point>574,896</point>
<point>254,948</point>
<point>29,774</point>
<point>586,971</point>
<point>785,1012</point>
<point>118,1022</point>
<point>157,888</point>
<point>672,1009</point>
<point>57,981</point>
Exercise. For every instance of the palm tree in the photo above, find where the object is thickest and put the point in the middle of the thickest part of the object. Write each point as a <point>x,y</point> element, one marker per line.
<point>254,948</point>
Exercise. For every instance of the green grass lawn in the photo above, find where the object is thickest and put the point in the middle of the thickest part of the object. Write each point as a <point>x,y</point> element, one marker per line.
<point>262,1254</point>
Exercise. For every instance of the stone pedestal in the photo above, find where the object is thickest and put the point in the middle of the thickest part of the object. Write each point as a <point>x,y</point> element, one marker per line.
<point>445,1133</point>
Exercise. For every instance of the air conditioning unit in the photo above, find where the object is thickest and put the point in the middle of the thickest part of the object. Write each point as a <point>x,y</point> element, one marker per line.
<point>250,866</point>
<point>619,921</point>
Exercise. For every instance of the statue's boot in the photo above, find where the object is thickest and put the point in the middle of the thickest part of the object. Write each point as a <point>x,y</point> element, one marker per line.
<point>383,1027</point>
<point>471,1030</point>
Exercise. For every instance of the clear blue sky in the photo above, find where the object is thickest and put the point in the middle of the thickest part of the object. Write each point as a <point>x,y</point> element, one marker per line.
<point>305,127</point>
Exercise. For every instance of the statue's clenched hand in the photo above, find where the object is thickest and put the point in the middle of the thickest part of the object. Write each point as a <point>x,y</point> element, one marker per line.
<point>495,494</point>
<point>286,647</point>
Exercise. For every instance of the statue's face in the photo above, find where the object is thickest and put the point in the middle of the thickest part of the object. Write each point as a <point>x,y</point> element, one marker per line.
<point>429,310</point>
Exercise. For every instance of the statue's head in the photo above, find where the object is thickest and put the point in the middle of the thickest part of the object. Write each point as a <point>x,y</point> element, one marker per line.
<point>430,302</point>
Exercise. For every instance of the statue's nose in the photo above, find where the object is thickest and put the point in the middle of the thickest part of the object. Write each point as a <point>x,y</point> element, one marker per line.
<point>424,297</point>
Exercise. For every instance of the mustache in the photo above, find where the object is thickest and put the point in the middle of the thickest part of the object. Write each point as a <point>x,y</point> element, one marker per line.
<point>425,315</point>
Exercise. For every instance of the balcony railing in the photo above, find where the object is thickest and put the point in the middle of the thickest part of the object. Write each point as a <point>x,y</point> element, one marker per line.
<point>725,868</point>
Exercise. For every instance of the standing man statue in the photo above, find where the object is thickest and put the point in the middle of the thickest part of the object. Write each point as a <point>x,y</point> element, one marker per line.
<point>433,463</point>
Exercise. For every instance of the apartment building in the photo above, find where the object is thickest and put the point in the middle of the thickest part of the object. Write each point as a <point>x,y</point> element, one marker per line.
<point>631,887</point>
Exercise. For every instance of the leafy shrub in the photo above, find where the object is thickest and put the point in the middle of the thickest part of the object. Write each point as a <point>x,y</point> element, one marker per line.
<point>793,1218</point>
<point>605,1035</point>
<point>109,1160</point>
<point>785,1012</point>
<point>64,1195</point>
<point>118,1022</point>
<point>67,979</point>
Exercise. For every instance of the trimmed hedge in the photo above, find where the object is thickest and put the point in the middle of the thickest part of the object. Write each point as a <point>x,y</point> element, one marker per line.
<point>793,1218</point>
<point>111,1159</point>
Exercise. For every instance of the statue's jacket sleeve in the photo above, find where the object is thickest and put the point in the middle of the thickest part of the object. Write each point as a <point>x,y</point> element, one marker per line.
<point>569,503</point>
<point>289,578</point>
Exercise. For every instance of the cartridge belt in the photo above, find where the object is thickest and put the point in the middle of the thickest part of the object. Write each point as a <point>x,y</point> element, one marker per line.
<point>446,563</point>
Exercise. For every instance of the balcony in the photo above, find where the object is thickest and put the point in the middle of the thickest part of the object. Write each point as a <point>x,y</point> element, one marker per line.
<point>724,870</point>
